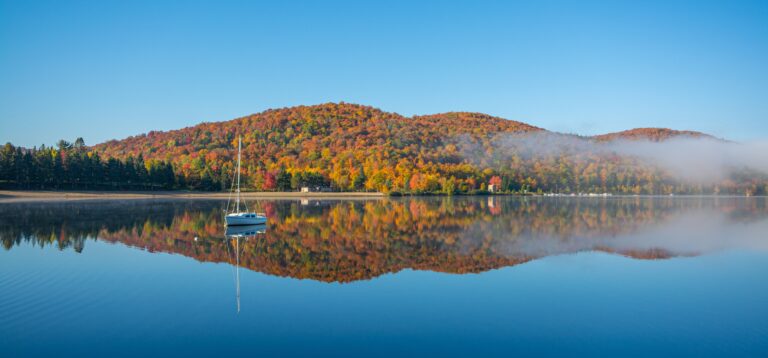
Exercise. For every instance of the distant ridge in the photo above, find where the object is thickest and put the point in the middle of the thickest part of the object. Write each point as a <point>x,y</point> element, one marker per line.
<point>651,134</point>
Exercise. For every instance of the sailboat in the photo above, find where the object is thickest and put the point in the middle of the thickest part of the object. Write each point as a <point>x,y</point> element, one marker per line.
<point>236,216</point>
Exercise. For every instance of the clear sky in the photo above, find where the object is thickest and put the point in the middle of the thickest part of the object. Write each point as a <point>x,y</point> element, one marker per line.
<point>110,69</point>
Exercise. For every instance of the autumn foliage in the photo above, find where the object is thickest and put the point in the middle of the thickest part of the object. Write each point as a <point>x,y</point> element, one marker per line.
<point>349,147</point>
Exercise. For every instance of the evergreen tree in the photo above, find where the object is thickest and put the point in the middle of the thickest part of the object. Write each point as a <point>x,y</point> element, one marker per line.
<point>283,180</point>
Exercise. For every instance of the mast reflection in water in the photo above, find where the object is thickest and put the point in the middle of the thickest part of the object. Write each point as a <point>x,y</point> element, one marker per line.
<point>234,234</point>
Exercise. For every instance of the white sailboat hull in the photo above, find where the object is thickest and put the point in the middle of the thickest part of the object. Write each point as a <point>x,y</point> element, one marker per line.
<point>240,219</point>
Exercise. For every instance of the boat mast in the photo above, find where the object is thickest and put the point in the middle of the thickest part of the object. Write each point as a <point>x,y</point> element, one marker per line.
<point>237,198</point>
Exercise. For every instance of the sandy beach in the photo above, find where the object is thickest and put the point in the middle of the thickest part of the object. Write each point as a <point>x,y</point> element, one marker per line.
<point>24,195</point>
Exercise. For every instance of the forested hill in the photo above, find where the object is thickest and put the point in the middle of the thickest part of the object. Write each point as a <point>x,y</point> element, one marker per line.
<point>345,146</point>
<point>349,147</point>
<point>651,134</point>
<point>296,135</point>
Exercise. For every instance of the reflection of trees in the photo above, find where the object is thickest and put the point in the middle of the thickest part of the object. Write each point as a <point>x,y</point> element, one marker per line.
<point>352,240</point>
<point>69,224</point>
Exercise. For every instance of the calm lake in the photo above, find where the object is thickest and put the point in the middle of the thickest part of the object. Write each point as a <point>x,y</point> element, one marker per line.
<point>461,276</point>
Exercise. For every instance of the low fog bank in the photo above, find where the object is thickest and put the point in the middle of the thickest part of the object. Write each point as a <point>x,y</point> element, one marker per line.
<point>700,160</point>
<point>705,160</point>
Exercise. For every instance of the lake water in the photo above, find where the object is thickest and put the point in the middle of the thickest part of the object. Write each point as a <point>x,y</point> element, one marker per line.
<point>462,276</point>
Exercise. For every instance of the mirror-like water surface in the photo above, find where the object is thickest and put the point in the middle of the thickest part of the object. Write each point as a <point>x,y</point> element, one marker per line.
<point>449,276</point>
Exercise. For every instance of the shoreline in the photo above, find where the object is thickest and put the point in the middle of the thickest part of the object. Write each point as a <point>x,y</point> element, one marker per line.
<point>10,196</point>
<point>50,195</point>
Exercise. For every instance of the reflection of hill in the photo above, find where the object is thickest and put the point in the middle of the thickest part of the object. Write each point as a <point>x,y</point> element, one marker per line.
<point>348,241</point>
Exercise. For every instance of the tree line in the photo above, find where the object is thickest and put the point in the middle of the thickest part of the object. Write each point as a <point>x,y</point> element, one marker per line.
<point>74,166</point>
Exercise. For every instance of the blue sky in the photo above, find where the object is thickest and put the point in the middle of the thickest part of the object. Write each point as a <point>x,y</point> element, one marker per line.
<point>110,69</point>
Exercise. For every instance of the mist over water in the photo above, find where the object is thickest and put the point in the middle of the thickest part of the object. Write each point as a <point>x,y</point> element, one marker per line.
<point>687,232</point>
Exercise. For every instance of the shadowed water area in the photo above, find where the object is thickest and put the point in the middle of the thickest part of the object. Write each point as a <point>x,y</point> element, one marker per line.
<point>630,276</point>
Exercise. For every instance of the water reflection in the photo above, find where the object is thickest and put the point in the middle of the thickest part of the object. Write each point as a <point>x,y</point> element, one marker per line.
<point>343,241</point>
<point>234,234</point>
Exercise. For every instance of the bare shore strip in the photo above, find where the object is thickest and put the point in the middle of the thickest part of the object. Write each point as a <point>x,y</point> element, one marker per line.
<point>21,195</point>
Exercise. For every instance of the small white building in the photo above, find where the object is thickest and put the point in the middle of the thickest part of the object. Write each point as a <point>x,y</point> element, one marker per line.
<point>491,188</point>
<point>316,189</point>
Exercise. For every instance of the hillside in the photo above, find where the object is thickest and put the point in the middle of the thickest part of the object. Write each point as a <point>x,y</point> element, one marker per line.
<point>352,147</point>
<point>651,134</point>
<point>355,147</point>
<point>349,147</point>
<point>297,133</point>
